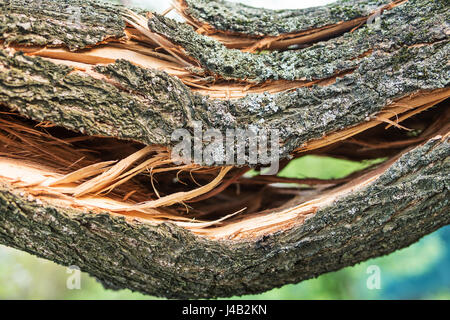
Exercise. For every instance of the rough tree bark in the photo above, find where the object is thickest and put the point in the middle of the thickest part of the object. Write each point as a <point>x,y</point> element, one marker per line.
<point>54,68</point>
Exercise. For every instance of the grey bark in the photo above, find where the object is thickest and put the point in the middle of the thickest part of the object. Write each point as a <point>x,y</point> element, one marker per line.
<point>239,18</point>
<point>409,54</point>
<point>409,200</point>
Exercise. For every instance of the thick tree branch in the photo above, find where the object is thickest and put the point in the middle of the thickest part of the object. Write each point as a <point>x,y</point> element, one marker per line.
<point>409,200</point>
<point>111,83</point>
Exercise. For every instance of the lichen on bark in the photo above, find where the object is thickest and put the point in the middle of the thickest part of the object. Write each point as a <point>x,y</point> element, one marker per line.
<point>411,23</point>
<point>235,17</point>
<point>409,200</point>
<point>408,54</point>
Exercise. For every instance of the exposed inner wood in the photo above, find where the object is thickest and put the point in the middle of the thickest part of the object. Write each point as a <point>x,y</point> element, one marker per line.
<point>248,43</point>
<point>52,164</point>
<point>149,50</point>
